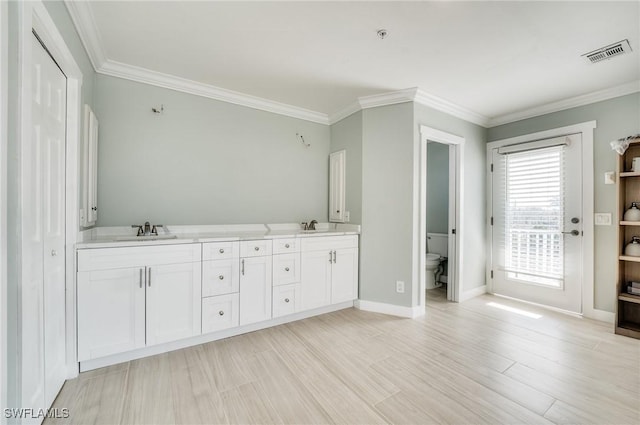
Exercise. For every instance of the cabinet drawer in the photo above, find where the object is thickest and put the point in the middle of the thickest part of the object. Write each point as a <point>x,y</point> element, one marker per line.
<point>257,248</point>
<point>118,258</point>
<point>220,250</point>
<point>220,277</point>
<point>285,246</point>
<point>286,299</point>
<point>319,243</point>
<point>221,312</point>
<point>286,269</point>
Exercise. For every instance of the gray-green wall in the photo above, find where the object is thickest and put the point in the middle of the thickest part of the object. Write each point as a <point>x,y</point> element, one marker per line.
<point>204,161</point>
<point>58,12</point>
<point>387,204</point>
<point>616,118</point>
<point>347,134</point>
<point>437,188</point>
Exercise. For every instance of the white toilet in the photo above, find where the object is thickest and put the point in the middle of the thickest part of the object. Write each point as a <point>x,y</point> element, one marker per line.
<point>437,251</point>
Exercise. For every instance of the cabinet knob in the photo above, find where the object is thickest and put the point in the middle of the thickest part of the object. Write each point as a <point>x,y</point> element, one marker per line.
<point>286,300</point>
<point>257,248</point>
<point>221,277</point>
<point>221,251</point>
<point>221,313</point>
<point>337,211</point>
<point>286,269</point>
<point>286,245</point>
<point>53,253</point>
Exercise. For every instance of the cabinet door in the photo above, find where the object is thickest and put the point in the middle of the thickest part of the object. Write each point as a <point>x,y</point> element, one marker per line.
<point>111,312</point>
<point>90,168</point>
<point>255,289</point>
<point>173,302</point>
<point>315,284</point>
<point>220,277</point>
<point>337,169</point>
<point>220,312</point>
<point>344,275</point>
<point>286,269</point>
<point>286,299</point>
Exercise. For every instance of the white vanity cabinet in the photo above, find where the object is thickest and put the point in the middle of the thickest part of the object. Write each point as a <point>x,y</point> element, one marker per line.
<point>286,276</point>
<point>329,271</point>
<point>220,285</point>
<point>132,297</point>
<point>255,281</point>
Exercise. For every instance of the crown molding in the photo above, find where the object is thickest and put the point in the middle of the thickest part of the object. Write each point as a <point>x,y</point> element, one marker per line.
<point>447,107</point>
<point>390,98</point>
<point>573,102</point>
<point>159,79</point>
<point>85,24</point>
<point>344,113</point>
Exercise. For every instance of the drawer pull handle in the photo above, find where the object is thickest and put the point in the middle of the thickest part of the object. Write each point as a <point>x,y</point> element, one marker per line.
<point>286,269</point>
<point>287,245</point>
<point>242,267</point>
<point>257,248</point>
<point>149,282</point>
<point>221,251</point>
<point>221,313</point>
<point>286,300</point>
<point>221,277</point>
<point>141,278</point>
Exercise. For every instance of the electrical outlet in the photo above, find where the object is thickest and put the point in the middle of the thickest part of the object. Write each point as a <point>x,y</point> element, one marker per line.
<point>399,287</point>
<point>603,219</point>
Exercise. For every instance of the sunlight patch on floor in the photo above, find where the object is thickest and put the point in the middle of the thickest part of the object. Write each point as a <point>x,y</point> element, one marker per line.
<point>515,310</point>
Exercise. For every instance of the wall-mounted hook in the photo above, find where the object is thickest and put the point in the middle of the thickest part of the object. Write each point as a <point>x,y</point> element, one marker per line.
<point>308,145</point>
<point>158,111</point>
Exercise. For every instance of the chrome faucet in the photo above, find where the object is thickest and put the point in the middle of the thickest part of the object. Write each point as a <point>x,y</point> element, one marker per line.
<point>147,228</point>
<point>312,225</point>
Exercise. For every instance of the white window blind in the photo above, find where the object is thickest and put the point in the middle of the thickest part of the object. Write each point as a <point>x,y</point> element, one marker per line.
<point>533,243</point>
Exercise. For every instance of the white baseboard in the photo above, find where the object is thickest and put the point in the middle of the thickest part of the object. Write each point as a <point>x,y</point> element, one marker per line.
<point>390,309</point>
<point>472,293</point>
<point>601,315</point>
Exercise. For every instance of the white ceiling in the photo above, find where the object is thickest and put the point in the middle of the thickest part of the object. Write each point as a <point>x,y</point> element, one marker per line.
<point>492,58</point>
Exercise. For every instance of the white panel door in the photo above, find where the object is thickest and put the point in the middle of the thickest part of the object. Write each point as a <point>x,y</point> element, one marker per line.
<point>344,275</point>
<point>111,312</point>
<point>174,302</point>
<point>255,289</point>
<point>43,213</point>
<point>537,231</point>
<point>315,284</point>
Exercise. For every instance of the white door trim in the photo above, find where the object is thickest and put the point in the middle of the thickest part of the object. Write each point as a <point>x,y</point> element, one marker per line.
<point>455,217</point>
<point>34,16</point>
<point>586,129</point>
<point>4,103</point>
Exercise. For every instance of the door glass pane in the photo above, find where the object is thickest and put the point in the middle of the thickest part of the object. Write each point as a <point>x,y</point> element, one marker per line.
<point>533,216</point>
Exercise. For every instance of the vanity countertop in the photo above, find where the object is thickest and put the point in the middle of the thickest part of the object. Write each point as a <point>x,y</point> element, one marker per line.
<point>110,237</point>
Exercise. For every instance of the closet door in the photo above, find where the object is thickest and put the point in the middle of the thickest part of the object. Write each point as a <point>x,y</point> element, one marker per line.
<point>43,234</point>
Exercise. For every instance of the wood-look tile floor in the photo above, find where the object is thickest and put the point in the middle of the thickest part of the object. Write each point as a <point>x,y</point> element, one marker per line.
<point>479,362</point>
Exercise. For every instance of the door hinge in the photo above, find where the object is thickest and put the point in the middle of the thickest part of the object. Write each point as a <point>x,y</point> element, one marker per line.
<point>453,231</point>
<point>491,274</point>
<point>492,221</point>
<point>492,168</point>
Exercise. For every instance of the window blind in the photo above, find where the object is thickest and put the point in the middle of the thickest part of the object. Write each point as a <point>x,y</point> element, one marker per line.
<point>533,215</point>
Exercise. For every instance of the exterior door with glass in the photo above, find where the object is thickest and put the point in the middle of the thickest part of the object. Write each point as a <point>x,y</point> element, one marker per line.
<point>537,222</point>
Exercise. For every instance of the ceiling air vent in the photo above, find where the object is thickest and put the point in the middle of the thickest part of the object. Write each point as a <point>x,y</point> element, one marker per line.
<point>608,52</point>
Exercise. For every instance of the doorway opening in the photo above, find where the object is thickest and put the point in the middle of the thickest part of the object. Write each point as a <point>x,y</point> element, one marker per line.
<point>440,215</point>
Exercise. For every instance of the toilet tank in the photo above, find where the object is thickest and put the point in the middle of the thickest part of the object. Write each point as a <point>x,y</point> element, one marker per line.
<point>438,243</point>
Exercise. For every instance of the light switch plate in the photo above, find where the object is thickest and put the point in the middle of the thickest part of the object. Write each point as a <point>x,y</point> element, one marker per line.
<point>610,177</point>
<point>603,219</point>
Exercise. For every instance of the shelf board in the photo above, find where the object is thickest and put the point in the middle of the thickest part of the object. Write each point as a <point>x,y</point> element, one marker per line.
<point>629,298</point>
<point>630,329</point>
<point>629,258</point>
<point>630,223</point>
<point>630,174</point>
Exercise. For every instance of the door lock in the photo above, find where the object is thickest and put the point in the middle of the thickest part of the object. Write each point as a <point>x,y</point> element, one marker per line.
<point>575,220</point>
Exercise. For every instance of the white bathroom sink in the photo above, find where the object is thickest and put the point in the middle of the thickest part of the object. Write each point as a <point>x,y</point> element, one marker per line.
<point>145,238</point>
